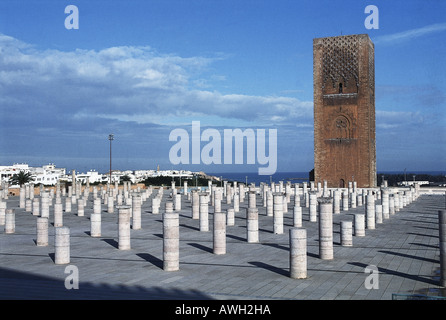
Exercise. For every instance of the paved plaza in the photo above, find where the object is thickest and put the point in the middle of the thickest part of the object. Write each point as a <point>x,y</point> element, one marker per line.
<point>404,248</point>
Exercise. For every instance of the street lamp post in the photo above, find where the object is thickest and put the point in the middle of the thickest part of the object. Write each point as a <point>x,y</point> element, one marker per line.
<point>110,137</point>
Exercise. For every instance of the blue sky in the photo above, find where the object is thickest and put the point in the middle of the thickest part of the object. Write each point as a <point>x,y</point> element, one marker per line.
<point>139,69</point>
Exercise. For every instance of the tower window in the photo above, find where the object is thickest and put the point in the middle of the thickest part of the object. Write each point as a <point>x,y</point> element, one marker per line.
<point>340,87</point>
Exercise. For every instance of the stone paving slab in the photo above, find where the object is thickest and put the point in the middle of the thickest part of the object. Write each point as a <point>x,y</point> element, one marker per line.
<point>404,248</point>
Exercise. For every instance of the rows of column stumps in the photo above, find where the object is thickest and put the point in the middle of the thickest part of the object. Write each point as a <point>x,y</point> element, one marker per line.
<point>127,201</point>
<point>321,201</point>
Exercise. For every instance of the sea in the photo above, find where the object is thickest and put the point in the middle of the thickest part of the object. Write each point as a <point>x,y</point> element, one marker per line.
<point>254,177</point>
<point>293,177</point>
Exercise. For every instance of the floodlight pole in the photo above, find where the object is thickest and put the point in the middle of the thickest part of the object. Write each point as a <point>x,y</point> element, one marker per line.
<point>110,137</point>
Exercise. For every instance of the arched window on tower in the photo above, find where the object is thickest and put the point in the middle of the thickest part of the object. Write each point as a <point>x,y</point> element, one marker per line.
<point>342,128</point>
<point>340,87</point>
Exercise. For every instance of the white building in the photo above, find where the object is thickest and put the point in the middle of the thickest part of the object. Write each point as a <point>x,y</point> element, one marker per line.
<point>6,172</point>
<point>91,176</point>
<point>47,175</point>
<point>411,183</point>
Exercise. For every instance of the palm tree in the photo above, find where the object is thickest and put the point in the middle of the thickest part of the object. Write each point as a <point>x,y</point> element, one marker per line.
<point>21,178</point>
<point>125,178</point>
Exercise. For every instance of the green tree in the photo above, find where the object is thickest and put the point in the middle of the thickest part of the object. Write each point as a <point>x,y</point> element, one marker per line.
<point>124,178</point>
<point>21,178</point>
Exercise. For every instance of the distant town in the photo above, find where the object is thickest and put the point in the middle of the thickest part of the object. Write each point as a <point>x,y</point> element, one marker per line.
<point>50,175</point>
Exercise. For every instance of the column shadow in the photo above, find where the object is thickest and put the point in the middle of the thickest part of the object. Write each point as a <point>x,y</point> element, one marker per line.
<point>111,242</point>
<point>409,256</point>
<point>152,259</point>
<point>199,246</point>
<point>269,267</point>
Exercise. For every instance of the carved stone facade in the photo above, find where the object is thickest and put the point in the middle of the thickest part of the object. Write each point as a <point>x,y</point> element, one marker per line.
<point>344,111</point>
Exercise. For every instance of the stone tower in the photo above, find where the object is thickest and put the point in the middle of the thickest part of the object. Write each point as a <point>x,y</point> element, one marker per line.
<point>344,111</point>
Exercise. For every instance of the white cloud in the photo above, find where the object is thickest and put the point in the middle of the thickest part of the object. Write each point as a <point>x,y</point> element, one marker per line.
<point>128,83</point>
<point>410,34</point>
<point>397,119</point>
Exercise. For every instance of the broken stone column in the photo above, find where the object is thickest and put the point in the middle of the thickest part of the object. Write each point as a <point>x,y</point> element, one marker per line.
<point>95,224</point>
<point>97,206</point>
<point>396,199</point>
<point>359,224</point>
<point>9,221</point>
<point>379,213</point>
<point>45,205</point>
<point>297,212</point>
<point>269,204</point>
<point>252,225</point>
<point>325,228</point>
<point>236,202</point>
<point>171,241</point>
<point>119,199</point>
<point>278,213</point>
<point>2,213</point>
<point>370,211</point>
<point>251,199</point>
<point>185,188</point>
<point>80,207</point>
<point>58,215</point>
<point>22,197</point>
<point>346,233</point>
<point>241,192</point>
<point>195,204</point>
<point>169,207</point>
<point>385,203</point>
<point>336,202</point>
<point>306,195</point>
<point>313,205</point>
<point>353,200</point>
<point>219,239</point>
<point>359,199</point>
<point>288,191</point>
<point>204,212</point>
<point>325,189</point>
<point>62,245</point>
<point>28,205</point>
<point>217,200</point>
<point>345,201</point>
<point>285,204</point>
<point>177,199</point>
<point>228,191</point>
<point>136,212</point>
<point>391,205</point>
<point>298,253</point>
<point>297,198</point>
<point>36,207</point>
<point>67,204</point>
<point>42,232</point>
<point>442,240</point>
<point>156,205</point>
<point>110,204</point>
<point>230,218</point>
<point>124,227</point>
